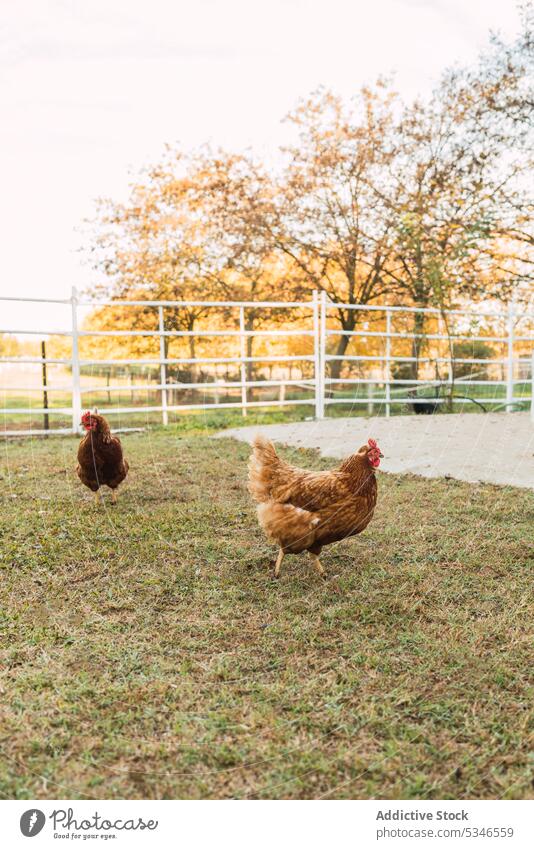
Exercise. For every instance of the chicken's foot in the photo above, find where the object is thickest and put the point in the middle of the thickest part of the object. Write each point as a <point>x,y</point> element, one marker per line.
<point>318,565</point>
<point>97,498</point>
<point>278,563</point>
<point>113,496</point>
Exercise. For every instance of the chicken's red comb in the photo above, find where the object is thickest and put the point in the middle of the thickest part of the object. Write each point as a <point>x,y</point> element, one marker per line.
<point>86,415</point>
<point>372,443</point>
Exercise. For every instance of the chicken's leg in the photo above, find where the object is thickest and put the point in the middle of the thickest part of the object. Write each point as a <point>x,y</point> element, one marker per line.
<point>113,496</point>
<point>278,563</point>
<point>97,498</point>
<point>318,565</point>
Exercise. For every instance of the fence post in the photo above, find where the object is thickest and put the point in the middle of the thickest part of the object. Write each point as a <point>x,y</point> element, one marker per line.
<point>510,364</point>
<point>322,355</point>
<point>243,353</point>
<point>443,330</point>
<point>75,363</point>
<point>162,367</point>
<point>388,363</point>
<point>319,407</point>
<point>46,422</point>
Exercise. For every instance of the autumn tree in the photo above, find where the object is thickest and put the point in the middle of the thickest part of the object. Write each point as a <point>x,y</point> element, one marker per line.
<point>457,186</point>
<point>188,233</point>
<point>229,193</point>
<point>10,346</point>
<point>324,216</point>
<point>153,247</point>
<point>498,95</point>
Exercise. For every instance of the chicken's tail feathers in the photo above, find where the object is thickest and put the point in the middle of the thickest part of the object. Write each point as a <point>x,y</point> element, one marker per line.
<point>263,466</point>
<point>263,449</point>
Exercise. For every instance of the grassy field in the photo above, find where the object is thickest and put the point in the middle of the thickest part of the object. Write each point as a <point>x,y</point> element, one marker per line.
<point>146,651</point>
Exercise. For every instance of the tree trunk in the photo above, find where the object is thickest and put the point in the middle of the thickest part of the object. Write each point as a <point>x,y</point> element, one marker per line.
<point>249,344</point>
<point>417,343</point>
<point>348,322</point>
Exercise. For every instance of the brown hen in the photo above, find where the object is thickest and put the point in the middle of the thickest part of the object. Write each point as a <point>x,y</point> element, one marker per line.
<point>304,511</point>
<point>100,458</point>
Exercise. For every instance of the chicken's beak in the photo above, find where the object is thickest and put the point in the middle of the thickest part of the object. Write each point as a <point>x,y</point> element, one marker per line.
<point>380,455</point>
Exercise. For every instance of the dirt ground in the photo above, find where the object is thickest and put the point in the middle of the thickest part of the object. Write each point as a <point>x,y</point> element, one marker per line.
<point>494,448</point>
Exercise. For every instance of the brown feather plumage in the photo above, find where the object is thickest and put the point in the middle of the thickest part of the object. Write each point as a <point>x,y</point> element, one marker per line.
<point>303,510</point>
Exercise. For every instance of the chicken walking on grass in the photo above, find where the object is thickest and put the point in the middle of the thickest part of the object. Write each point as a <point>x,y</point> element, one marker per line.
<point>100,458</point>
<point>304,511</point>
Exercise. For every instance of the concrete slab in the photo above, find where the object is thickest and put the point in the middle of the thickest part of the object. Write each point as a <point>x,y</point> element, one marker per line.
<point>495,448</point>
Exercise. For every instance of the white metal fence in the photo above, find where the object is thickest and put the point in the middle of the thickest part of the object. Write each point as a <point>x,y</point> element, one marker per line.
<point>368,372</point>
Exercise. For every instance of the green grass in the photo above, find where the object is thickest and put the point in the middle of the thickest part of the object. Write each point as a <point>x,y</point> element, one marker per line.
<point>491,397</point>
<point>146,651</point>
<point>190,421</point>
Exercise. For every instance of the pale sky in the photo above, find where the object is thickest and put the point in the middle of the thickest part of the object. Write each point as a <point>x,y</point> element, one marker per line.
<point>91,90</point>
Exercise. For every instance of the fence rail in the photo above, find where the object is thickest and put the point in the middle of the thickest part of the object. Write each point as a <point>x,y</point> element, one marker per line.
<point>318,320</point>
